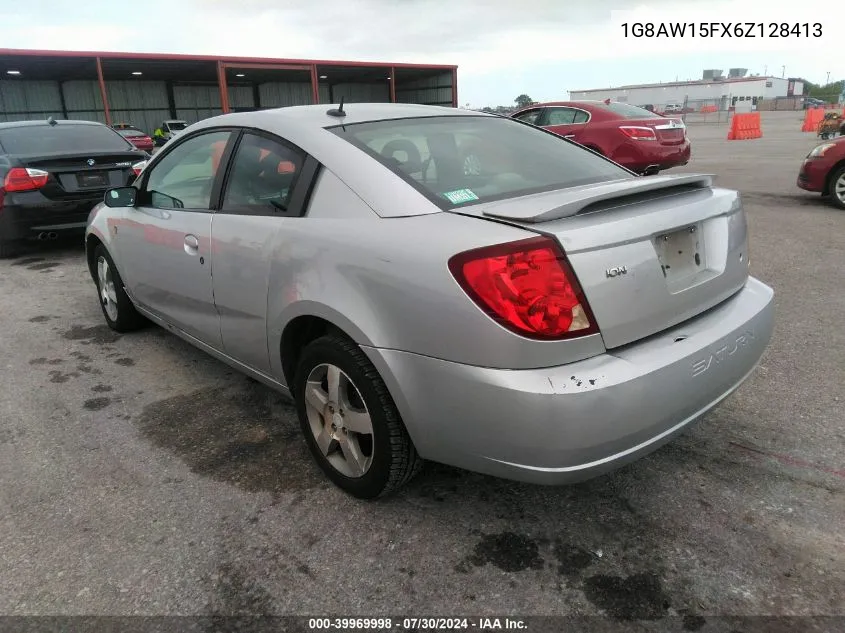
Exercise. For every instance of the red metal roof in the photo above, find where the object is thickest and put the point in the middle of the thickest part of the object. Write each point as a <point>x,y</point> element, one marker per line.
<point>212,58</point>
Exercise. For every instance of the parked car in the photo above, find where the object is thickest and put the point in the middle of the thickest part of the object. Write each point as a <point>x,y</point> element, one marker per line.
<point>640,140</point>
<point>437,283</point>
<point>823,171</point>
<point>139,139</point>
<point>811,102</point>
<point>53,172</point>
<point>169,129</point>
<point>673,108</point>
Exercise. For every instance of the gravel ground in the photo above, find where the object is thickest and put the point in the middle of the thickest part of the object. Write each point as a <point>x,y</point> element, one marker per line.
<point>140,476</point>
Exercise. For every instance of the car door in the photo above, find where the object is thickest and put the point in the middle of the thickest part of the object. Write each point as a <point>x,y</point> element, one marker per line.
<point>565,121</point>
<point>264,192</point>
<point>166,245</point>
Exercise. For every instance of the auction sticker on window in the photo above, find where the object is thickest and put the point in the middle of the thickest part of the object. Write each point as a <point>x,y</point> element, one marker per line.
<point>460,196</point>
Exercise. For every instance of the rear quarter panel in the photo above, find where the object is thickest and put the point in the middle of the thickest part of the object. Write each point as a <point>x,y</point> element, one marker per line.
<point>386,283</point>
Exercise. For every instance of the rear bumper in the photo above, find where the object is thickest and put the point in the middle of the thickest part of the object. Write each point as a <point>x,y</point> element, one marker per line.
<point>25,216</point>
<point>569,423</point>
<point>638,155</point>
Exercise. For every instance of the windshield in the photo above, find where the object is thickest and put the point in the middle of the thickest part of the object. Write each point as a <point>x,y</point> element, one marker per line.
<point>460,160</point>
<point>60,138</point>
<point>175,126</point>
<point>628,111</point>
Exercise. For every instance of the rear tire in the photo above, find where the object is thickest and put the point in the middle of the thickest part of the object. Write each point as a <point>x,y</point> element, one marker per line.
<point>117,308</point>
<point>837,187</point>
<point>353,429</point>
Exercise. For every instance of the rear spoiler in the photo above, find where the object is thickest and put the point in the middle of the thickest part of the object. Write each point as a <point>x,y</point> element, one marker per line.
<point>569,202</point>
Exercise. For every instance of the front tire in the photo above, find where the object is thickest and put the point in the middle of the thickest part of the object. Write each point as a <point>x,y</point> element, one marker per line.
<point>118,310</point>
<point>349,420</point>
<point>837,187</point>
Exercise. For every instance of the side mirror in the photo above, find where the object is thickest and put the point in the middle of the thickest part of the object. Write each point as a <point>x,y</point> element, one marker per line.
<point>119,197</point>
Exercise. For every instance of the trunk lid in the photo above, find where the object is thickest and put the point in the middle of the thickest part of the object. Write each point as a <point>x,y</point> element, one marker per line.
<point>83,175</point>
<point>649,253</point>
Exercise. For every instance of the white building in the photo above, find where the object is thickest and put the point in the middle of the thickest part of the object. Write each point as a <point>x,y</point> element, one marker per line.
<point>716,90</point>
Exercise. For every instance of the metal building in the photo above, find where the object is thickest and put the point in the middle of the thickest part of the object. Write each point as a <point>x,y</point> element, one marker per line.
<point>145,89</point>
<point>712,88</point>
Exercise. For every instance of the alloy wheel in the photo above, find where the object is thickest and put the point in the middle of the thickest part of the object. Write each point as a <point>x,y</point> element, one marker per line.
<point>108,295</point>
<point>339,420</point>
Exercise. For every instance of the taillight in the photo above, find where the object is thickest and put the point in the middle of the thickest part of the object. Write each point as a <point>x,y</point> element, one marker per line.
<point>137,168</point>
<point>638,133</point>
<point>528,287</point>
<point>25,179</point>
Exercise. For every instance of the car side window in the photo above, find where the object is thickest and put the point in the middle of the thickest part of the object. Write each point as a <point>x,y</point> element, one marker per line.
<point>184,178</point>
<point>531,116</point>
<point>581,116</point>
<point>561,116</point>
<point>263,175</point>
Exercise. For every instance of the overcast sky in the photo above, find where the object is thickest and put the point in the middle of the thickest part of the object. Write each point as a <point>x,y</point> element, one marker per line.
<point>503,48</point>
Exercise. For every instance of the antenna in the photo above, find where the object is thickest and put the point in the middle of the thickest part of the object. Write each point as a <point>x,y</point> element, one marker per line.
<point>338,111</point>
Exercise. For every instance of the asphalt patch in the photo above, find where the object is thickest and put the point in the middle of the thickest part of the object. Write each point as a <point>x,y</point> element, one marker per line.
<point>43,266</point>
<point>637,597</point>
<point>101,388</point>
<point>100,334</point>
<point>59,377</point>
<point>97,404</point>
<point>572,560</point>
<point>245,435</point>
<point>40,319</point>
<point>27,261</point>
<point>508,551</point>
<point>124,362</point>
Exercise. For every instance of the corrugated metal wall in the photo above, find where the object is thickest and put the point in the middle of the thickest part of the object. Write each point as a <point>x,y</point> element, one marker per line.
<point>22,100</point>
<point>241,97</point>
<point>362,93</point>
<point>435,90</point>
<point>278,94</point>
<point>139,103</point>
<point>196,102</point>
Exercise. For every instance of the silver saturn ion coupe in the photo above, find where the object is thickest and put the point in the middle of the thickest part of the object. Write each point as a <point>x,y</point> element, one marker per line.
<point>435,283</point>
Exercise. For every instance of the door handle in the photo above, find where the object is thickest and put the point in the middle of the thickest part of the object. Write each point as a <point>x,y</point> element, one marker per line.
<point>192,244</point>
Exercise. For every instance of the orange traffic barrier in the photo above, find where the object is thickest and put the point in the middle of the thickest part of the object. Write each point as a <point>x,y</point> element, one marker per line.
<point>812,118</point>
<point>709,108</point>
<point>745,126</point>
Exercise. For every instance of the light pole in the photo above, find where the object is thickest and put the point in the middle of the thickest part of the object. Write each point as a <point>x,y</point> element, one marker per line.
<point>827,83</point>
<point>783,71</point>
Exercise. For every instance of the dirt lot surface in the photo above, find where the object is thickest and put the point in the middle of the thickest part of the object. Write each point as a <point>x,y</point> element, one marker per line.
<point>139,476</point>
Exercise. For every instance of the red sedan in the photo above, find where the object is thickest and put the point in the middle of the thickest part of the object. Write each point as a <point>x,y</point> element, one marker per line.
<point>640,140</point>
<point>823,171</point>
<point>138,138</point>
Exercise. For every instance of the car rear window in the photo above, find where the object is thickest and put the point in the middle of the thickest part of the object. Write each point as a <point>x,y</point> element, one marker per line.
<point>177,125</point>
<point>460,160</point>
<point>130,133</point>
<point>628,111</point>
<point>54,139</point>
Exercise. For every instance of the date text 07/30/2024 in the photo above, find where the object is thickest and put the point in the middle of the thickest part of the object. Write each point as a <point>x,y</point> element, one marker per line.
<point>808,30</point>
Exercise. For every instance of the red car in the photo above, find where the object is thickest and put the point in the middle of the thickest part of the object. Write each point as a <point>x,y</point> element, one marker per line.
<point>823,171</point>
<point>640,140</point>
<point>138,138</point>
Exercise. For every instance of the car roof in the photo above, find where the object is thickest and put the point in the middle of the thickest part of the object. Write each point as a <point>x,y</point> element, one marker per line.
<point>42,122</point>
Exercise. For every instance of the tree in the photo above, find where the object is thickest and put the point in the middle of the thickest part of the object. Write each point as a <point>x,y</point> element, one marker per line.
<point>523,101</point>
<point>829,92</point>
